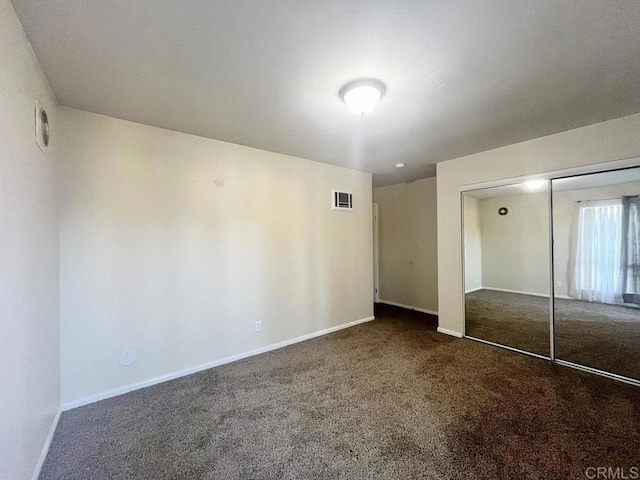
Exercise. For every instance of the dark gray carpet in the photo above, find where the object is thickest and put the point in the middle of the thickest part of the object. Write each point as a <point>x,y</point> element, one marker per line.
<point>606,337</point>
<point>390,399</point>
<point>519,321</point>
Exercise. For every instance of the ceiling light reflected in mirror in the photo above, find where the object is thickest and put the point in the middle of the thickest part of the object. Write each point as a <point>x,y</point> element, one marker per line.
<point>534,184</point>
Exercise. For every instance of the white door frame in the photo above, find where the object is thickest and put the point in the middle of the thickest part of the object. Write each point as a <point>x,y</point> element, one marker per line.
<point>376,262</point>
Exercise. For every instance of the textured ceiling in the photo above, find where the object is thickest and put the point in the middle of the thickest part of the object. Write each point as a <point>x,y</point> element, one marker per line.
<point>462,76</point>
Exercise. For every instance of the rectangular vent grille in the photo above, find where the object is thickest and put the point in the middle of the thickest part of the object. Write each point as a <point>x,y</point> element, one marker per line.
<point>341,201</point>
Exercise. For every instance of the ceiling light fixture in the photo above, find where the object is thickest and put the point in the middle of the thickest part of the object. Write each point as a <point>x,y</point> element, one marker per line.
<point>400,165</point>
<point>534,184</point>
<point>362,96</point>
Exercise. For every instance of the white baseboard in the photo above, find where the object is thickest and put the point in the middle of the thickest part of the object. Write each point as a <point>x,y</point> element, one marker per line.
<point>520,292</point>
<point>45,447</point>
<point>446,331</point>
<point>408,307</point>
<point>507,290</point>
<point>205,366</point>
<point>473,290</point>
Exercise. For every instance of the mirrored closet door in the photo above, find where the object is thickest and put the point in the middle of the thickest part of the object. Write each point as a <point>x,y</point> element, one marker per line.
<point>596,251</point>
<point>506,266</point>
<point>593,319</point>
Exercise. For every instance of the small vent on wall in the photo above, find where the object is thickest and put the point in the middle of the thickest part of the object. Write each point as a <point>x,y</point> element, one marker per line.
<point>42,127</point>
<point>341,201</point>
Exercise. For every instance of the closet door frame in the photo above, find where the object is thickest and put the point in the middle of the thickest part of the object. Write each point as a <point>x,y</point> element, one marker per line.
<point>617,165</point>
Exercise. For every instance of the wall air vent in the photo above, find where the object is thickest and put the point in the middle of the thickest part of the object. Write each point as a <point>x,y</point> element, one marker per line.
<point>342,201</point>
<point>42,127</point>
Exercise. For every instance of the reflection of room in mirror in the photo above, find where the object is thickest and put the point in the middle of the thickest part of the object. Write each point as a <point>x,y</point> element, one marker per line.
<point>596,269</point>
<point>596,226</point>
<point>507,266</point>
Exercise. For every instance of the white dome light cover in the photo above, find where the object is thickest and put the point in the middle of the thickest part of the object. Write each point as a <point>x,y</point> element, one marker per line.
<point>362,96</point>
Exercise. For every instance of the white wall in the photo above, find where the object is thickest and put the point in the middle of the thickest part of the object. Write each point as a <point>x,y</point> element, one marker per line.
<point>174,245</point>
<point>408,244</point>
<point>604,142</point>
<point>515,247</point>
<point>29,329</point>
<point>472,244</point>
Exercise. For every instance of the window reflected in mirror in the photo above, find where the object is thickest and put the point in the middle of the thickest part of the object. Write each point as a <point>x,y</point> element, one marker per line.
<point>596,232</point>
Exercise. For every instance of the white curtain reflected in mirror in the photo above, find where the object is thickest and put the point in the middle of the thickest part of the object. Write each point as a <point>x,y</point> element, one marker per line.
<point>596,250</point>
<point>506,252</point>
<point>596,230</point>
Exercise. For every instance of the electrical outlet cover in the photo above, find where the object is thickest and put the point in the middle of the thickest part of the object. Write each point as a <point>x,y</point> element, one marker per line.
<point>127,358</point>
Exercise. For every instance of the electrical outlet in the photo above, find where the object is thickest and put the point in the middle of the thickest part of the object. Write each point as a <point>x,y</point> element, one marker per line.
<point>127,358</point>
<point>258,326</point>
